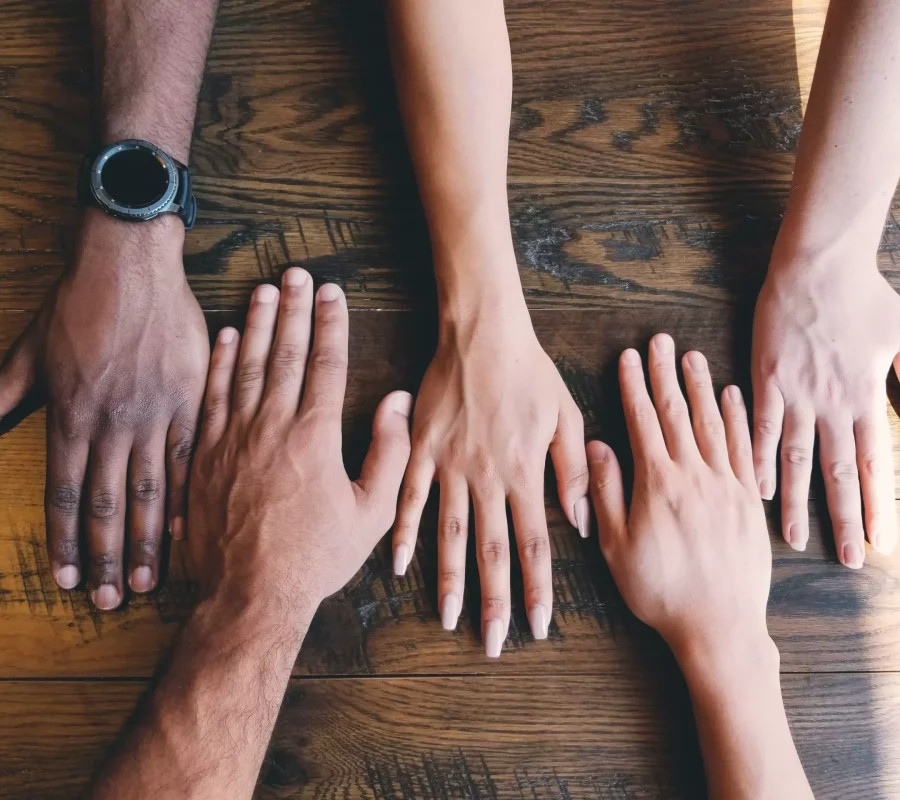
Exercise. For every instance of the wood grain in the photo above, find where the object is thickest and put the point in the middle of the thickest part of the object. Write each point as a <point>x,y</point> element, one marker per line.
<point>614,737</point>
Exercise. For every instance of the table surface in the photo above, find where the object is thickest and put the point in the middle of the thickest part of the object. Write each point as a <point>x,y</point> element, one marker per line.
<point>650,158</point>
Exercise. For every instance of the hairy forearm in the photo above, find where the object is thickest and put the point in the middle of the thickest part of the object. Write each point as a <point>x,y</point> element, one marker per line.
<point>848,162</point>
<point>150,56</point>
<point>453,72</point>
<point>204,730</point>
<point>747,746</point>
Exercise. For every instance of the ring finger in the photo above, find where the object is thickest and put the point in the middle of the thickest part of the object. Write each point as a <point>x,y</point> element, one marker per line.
<point>146,510</point>
<point>453,534</point>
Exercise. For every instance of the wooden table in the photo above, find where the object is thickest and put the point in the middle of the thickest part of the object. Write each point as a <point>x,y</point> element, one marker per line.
<point>650,159</point>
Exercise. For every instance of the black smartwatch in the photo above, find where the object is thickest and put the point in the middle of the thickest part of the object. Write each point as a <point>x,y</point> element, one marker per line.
<point>136,181</point>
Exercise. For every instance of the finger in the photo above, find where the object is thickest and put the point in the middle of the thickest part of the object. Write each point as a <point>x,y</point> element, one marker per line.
<point>326,378</point>
<point>797,442</point>
<point>492,548</point>
<point>414,495</point>
<point>570,465</point>
<point>259,329</point>
<point>709,430</point>
<point>67,458</point>
<point>453,535</point>
<point>105,520</point>
<point>18,371</point>
<point>287,363</point>
<point>768,417</point>
<point>671,407</point>
<point>146,511</point>
<point>644,432</point>
<point>530,525</point>
<point>179,449</point>
<point>217,403</point>
<point>382,471</point>
<point>608,495</point>
<point>876,469</point>
<point>737,437</point>
<point>837,453</point>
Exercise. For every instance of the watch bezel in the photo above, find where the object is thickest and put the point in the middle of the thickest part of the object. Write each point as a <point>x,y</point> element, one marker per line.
<point>127,212</point>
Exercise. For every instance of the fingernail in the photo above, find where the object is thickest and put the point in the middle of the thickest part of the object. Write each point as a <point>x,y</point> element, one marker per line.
<point>734,395</point>
<point>797,536</point>
<point>68,576</point>
<point>493,638</point>
<point>141,579</point>
<point>663,343</point>
<point>226,335</point>
<point>766,489</point>
<point>329,292</point>
<point>537,619</point>
<point>450,607</point>
<point>266,293</point>
<point>631,357</point>
<point>696,360</point>
<point>296,276</point>
<point>177,528</point>
<point>853,555</point>
<point>106,597</point>
<point>583,517</point>
<point>401,403</point>
<point>402,555</point>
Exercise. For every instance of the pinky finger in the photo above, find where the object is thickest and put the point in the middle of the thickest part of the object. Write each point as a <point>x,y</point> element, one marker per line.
<point>768,417</point>
<point>737,435</point>
<point>416,486</point>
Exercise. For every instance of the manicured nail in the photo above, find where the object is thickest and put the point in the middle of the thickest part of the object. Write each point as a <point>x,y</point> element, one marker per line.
<point>663,343</point>
<point>537,619</point>
<point>734,395</point>
<point>68,576</point>
<point>106,597</point>
<point>696,360</point>
<point>583,517</point>
<point>177,528</point>
<point>450,607</point>
<point>226,335</point>
<point>329,292</point>
<point>853,555</point>
<point>797,536</point>
<point>141,579</point>
<point>493,638</point>
<point>266,293</point>
<point>401,403</point>
<point>766,489</point>
<point>402,555</point>
<point>296,276</point>
<point>631,357</point>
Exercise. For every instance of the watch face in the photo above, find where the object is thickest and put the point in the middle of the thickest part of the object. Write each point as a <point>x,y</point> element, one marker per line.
<point>134,179</point>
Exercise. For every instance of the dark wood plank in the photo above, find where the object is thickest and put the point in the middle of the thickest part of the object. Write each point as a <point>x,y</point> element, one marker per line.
<point>548,737</point>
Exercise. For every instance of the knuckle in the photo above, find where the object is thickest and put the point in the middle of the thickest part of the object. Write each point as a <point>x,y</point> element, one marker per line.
<point>534,548</point>
<point>64,498</point>
<point>798,456</point>
<point>104,563</point>
<point>493,552</point>
<point>145,490</point>
<point>66,548</point>
<point>182,448</point>
<point>843,472</point>
<point>103,504</point>
<point>674,406</point>
<point>250,372</point>
<point>453,529</point>
<point>579,481</point>
<point>766,426</point>
<point>411,497</point>
<point>449,575</point>
<point>712,426</point>
<point>328,361</point>
<point>493,603</point>
<point>147,545</point>
<point>872,466</point>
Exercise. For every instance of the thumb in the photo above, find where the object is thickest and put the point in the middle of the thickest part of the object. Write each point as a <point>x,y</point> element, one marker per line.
<point>18,371</point>
<point>382,471</point>
<point>607,493</point>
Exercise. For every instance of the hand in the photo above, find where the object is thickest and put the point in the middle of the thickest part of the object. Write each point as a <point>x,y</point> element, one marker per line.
<point>120,345</point>
<point>490,406</point>
<point>272,513</point>
<point>692,559</point>
<point>824,337</point>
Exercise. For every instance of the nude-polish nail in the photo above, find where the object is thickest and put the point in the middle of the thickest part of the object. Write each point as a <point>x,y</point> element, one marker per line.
<point>537,619</point>
<point>105,597</point>
<point>401,559</point>
<point>583,517</point>
<point>450,608</point>
<point>67,577</point>
<point>493,638</point>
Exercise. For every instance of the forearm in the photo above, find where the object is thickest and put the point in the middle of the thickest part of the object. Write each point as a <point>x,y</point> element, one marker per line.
<point>205,729</point>
<point>747,746</point>
<point>453,71</point>
<point>150,56</point>
<point>848,162</point>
